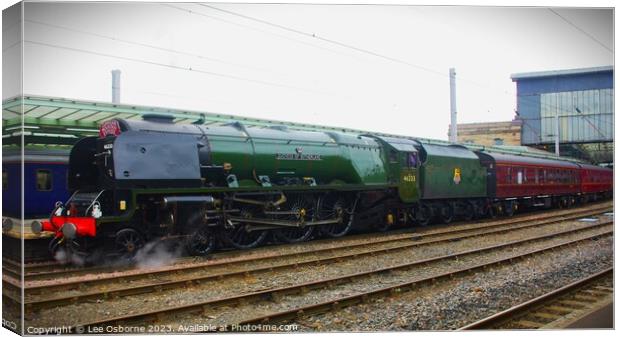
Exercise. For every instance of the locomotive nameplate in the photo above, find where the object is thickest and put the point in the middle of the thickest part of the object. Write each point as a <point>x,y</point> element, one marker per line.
<point>297,156</point>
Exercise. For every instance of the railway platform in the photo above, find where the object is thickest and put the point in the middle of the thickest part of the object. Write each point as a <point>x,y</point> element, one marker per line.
<point>35,245</point>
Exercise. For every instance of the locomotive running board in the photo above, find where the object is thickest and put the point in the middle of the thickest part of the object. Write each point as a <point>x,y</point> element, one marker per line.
<point>278,223</point>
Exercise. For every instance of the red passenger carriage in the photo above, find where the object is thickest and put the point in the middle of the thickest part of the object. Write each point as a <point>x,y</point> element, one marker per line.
<point>596,182</point>
<point>515,181</point>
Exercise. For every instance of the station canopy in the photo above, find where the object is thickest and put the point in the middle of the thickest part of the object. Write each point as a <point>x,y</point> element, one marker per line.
<point>58,121</point>
<point>51,122</point>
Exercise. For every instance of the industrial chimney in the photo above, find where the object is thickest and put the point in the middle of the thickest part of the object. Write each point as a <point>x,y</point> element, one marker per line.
<point>116,86</point>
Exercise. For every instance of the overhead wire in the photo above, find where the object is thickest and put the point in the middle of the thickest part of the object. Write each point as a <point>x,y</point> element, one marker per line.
<point>193,12</point>
<point>146,45</point>
<point>362,50</point>
<point>345,45</point>
<point>141,44</point>
<point>581,30</point>
<point>11,46</point>
<point>190,69</point>
<point>11,26</point>
<point>314,36</point>
<point>324,39</point>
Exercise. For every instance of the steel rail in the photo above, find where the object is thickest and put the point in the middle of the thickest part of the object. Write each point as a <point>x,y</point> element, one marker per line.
<point>517,311</point>
<point>16,266</point>
<point>170,284</point>
<point>31,275</point>
<point>398,238</point>
<point>11,272</point>
<point>305,287</point>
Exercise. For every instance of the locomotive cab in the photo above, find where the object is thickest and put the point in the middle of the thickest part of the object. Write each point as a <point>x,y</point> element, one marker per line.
<point>402,159</point>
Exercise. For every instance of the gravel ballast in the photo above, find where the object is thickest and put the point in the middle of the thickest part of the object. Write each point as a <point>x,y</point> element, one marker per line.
<point>453,304</point>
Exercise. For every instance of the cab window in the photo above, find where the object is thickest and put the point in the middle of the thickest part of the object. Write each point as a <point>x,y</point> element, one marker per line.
<point>393,156</point>
<point>411,159</point>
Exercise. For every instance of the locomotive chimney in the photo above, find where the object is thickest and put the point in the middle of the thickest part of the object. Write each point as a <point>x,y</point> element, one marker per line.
<point>116,86</point>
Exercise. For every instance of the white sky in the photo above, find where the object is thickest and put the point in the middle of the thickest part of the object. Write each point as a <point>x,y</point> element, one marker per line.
<point>269,72</point>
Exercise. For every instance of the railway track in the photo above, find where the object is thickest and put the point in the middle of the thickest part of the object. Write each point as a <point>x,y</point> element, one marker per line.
<point>50,269</point>
<point>38,296</point>
<point>555,309</point>
<point>84,289</point>
<point>603,229</point>
<point>11,268</point>
<point>14,267</point>
<point>353,242</point>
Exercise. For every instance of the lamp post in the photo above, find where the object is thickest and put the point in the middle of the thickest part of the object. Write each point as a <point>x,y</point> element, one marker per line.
<point>557,133</point>
<point>116,86</point>
<point>453,125</point>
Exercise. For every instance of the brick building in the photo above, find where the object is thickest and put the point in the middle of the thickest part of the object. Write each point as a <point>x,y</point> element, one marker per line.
<point>490,133</point>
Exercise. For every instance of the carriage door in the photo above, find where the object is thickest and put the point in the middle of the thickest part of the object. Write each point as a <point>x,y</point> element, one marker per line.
<point>408,190</point>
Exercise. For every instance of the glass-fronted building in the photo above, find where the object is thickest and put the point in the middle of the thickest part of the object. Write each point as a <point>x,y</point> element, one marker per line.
<point>582,100</point>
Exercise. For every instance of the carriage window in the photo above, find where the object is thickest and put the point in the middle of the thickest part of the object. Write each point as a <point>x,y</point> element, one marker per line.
<point>5,179</point>
<point>44,180</point>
